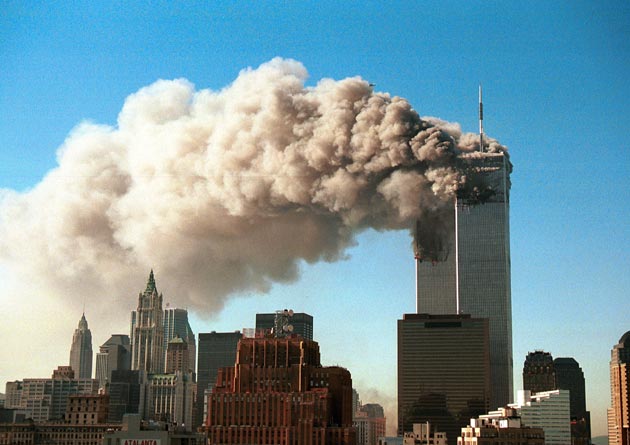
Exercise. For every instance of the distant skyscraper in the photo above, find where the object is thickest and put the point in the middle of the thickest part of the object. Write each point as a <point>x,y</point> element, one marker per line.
<point>114,354</point>
<point>569,376</point>
<point>302,323</point>
<point>277,392</point>
<point>176,325</point>
<point>216,350</point>
<point>81,351</point>
<point>539,372</point>
<point>619,412</point>
<point>542,373</point>
<point>443,371</point>
<point>147,331</point>
<point>471,272</point>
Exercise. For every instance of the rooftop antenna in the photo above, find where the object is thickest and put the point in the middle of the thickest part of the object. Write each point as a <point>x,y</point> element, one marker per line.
<point>480,120</point>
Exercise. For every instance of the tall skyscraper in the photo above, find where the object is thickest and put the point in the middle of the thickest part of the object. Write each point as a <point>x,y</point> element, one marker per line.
<point>147,331</point>
<point>81,351</point>
<point>542,373</point>
<point>176,325</point>
<point>216,350</point>
<point>469,269</point>
<point>569,376</point>
<point>302,324</point>
<point>114,354</point>
<point>443,371</point>
<point>619,412</point>
<point>277,392</point>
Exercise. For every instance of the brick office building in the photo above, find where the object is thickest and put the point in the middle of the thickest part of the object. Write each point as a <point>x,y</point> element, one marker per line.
<point>278,393</point>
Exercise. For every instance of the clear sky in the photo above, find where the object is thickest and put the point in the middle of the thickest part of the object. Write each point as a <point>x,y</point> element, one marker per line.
<point>556,93</point>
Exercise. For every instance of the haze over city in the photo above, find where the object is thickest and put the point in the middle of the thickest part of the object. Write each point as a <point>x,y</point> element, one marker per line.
<point>84,88</point>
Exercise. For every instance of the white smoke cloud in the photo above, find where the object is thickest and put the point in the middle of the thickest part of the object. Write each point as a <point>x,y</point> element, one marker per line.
<point>228,191</point>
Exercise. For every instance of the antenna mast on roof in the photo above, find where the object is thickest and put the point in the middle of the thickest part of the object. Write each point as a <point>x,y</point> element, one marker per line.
<point>480,121</point>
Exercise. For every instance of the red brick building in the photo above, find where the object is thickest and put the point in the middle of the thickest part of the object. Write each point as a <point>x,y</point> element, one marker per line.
<point>278,393</point>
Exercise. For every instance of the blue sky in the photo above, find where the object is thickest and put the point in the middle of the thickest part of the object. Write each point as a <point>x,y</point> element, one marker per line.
<point>555,92</point>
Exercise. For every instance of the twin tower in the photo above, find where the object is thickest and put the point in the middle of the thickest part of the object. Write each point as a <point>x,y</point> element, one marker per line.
<point>455,353</point>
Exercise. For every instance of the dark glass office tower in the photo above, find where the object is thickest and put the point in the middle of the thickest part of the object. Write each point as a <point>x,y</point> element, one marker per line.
<point>443,371</point>
<point>215,350</point>
<point>569,376</point>
<point>472,273</point>
<point>302,323</point>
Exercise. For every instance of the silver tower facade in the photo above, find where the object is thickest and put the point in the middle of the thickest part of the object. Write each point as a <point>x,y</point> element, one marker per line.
<point>81,351</point>
<point>473,275</point>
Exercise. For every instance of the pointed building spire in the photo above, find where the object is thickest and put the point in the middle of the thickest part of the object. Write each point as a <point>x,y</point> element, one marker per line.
<point>83,324</point>
<point>150,284</point>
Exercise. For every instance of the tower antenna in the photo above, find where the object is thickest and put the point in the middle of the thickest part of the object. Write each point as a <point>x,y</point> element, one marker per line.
<point>480,120</point>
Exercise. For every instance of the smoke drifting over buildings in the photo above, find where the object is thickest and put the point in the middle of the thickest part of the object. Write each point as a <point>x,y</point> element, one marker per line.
<point>227,191</point>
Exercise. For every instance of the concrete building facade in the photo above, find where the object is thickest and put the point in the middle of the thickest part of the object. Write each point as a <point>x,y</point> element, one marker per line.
<point>87,409</point>
<point>549,410</point>
<point>170,399</point>
<point>370,423</point>
<point>47,399</point>
<point>501,427</point>
<point>423,434</point>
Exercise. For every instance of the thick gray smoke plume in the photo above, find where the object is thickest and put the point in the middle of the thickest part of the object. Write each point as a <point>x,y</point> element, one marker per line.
<point>227,191</point>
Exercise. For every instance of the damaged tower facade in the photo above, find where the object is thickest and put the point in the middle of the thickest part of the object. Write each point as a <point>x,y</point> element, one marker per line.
<point>469,271</point>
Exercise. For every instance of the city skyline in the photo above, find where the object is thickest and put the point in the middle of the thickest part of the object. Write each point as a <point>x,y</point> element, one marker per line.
<point>554,92</point>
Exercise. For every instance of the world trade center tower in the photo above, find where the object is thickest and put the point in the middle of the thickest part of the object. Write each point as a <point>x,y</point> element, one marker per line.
<point>472,276</point>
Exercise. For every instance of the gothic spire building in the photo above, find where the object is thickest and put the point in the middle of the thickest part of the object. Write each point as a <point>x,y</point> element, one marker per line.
<point>81,351</point>
<point>147,331</point>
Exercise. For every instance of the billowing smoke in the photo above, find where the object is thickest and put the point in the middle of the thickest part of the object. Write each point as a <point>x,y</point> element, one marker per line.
<point>228,191</point>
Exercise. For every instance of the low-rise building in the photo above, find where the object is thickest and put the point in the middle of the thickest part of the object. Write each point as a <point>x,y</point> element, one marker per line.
<point>87,409</point>
<point>136,432</point>
<point>46,400</point>
<point>549,410</point>
<point>31,433</point>
<point>501,427</point>
<point>423,434</point>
